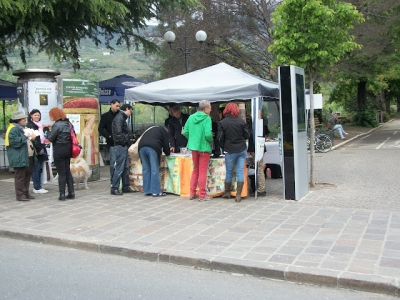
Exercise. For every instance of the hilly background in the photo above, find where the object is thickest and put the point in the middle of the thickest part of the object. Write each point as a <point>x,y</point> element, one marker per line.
<point>96,64</point>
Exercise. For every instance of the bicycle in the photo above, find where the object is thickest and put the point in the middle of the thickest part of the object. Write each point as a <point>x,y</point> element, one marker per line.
<point>322,143</point>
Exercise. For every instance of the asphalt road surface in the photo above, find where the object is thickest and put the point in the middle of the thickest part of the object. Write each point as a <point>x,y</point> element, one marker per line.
<point>36,271</point>
<point>363,173</point>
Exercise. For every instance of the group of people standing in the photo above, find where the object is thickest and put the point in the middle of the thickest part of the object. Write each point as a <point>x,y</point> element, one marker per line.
<point>194,132</point>
<point>27,151</point>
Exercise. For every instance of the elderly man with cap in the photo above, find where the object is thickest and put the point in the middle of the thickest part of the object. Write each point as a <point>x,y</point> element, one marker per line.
<point>20,153</point>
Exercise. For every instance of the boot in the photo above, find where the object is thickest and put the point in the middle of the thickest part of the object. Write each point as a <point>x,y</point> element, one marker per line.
<point>62,197</point>
<point>227,192</point>
<point>70,185</point>
<point>239,188</point>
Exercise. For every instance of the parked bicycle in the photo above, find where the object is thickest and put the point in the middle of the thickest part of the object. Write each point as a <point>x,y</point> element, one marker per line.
<point>322,143</point>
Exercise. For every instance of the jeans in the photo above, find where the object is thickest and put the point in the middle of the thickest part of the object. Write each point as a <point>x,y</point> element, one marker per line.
<point>150,170</point>
<point>121,170</point>
<point>199,174</point>
<point>340,129</point>
<point>112,160</point>
<point>232,160</point>
<point>37,170</point>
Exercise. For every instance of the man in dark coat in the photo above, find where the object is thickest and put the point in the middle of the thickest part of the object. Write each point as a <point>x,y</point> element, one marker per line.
<point>176,139</point>
<point>121,137</point>
<point>106,131</point>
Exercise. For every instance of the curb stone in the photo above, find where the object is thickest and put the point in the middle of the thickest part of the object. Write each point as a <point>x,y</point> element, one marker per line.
<point>374,284</point>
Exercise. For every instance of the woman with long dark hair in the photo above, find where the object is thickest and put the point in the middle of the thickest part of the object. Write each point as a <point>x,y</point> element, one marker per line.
<point>60,136</point>
<point>232,136</point>
<point>34,123</point>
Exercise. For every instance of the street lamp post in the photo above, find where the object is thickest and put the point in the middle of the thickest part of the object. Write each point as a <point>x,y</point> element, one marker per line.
<point>201,36</point>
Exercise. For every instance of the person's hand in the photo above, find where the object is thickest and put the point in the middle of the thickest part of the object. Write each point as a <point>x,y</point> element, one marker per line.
<point>172,149</point>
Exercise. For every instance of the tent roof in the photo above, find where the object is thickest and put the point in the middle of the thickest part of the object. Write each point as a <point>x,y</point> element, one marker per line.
<point>114,88</point>
<point>217,83</point>
<point>8,90</point>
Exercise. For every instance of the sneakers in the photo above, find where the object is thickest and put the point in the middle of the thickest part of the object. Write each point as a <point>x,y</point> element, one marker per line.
<point>41,191</point>
<point>346,133</point>
<point>206,198</point>
<point>342,138</point>
<point>192,197</point>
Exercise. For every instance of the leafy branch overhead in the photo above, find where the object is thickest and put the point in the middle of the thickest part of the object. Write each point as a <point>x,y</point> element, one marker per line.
<point>313,34</point>
<point>56,27</point>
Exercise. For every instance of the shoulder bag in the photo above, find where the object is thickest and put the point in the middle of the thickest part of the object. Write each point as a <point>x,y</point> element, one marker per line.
<point>76,148</point>
<point>133,150</point>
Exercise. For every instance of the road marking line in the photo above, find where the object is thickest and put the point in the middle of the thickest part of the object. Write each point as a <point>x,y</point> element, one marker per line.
<point>365,136</point>
<point>382,143</point>
<point>394,132</point>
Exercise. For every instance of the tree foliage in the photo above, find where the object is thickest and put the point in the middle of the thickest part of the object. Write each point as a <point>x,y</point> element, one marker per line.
<point>313,34</point>
<point>57,26</point>
<point>237,33</point>
<point>373,67</point>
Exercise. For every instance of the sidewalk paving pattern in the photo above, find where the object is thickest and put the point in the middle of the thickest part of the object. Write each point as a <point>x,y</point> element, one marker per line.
<point>304,241</point>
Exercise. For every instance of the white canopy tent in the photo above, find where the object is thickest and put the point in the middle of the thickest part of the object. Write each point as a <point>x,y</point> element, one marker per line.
<point>217,83</point>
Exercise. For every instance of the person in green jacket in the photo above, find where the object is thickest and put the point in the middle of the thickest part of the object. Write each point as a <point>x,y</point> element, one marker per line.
<point>20,153</point>
<point>198,131</point>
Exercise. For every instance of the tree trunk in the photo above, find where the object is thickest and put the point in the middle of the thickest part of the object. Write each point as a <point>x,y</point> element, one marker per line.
<point>386,98</point>
<point>362,94</point>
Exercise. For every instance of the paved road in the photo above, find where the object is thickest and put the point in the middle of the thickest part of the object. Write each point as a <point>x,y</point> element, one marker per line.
<point>37,271</point>
<point>363,173</point>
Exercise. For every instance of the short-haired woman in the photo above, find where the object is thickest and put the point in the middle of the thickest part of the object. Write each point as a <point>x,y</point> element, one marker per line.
<point>60,136</point>
<point>232,136</point>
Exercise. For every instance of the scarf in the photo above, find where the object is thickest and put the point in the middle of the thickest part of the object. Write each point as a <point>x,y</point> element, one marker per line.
<point>40,129</point>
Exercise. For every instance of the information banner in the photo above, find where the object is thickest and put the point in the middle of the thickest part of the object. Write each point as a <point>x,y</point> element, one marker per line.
<point>42,95</point>
<point>80,102</point>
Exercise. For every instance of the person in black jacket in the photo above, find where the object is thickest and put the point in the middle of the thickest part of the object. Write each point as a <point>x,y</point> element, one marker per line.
<point>60,136</point>
<point>152,143</point>
<point>106,131</point>
<point>40,149</point>
<point>121,137</point>
<point>232,136</point>
<point>176,123</point>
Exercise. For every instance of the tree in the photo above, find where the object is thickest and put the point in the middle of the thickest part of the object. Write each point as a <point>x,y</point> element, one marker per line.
<point>56,27</point>
<point>237,33</point>
<point>379,37</point>
<point>313,34</point>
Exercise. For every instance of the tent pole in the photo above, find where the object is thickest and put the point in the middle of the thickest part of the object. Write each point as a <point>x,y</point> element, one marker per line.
<point>4,115</point>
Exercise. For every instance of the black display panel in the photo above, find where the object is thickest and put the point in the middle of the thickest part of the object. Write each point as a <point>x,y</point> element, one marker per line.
<point>301,103</point>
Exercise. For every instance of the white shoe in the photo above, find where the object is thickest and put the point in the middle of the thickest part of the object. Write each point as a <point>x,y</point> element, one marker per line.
<point>41,191</point>
<point>342,138</point>
<point>346,133</point>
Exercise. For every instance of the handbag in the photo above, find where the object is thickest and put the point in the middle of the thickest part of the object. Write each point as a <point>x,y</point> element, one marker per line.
<point>133,150</point>
<point>76,148</point>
